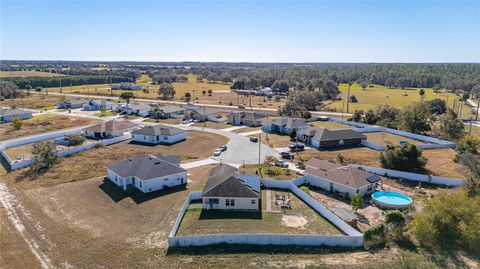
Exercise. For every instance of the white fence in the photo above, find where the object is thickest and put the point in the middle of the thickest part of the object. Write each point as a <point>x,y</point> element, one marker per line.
<point>352,239</point>
<point>40,137</point>
<point>455,182</point>
<point>17,164</point>
<point>373,146</point>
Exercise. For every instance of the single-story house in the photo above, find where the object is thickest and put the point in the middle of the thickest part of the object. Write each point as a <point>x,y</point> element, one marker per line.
<point>227,189</point>
<point>284,125</point>
<point>338,178</point>
<point>7,115</point>
<point>127,86</point>
<point>71,104</point>
<point>148,173</point>
<point>166,112</point>
<point>109,129</point>
<point>264,92</point>
<point>206,113</point>
<point>93,105</point>
<point>159,134</point>
<point>139,109</point>
<point>320,137</point>
<point>248,118</point>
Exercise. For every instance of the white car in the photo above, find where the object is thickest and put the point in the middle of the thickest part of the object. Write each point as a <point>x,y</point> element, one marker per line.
<point>217,152</point>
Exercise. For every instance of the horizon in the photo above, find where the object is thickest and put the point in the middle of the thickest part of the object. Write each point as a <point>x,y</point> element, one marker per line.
<point>241,32</point>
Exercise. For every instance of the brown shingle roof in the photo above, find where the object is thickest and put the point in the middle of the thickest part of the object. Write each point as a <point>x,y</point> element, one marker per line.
<point>344,175</point>
<point>111,126</point>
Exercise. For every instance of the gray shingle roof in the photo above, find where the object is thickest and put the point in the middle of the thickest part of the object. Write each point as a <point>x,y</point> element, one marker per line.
<point>158,130</point>
<point>224,181</point>
<point>170,109</point>
<point>13,111</point>
<point>323,134</point>
<point>206,111</point>
<point>289,123</point>
<point>344,175</point>
<point>147,167</point>
<point>111,126</point>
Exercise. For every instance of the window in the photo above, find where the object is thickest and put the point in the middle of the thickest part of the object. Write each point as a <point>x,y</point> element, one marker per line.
<point>165,179</point>
<point>116,178</point>
<point>144,137</point>
<point>232,202</point>
<point>165,138</point>
<point>358,190</point>
<point>253,202</point>
<point>227,202</point>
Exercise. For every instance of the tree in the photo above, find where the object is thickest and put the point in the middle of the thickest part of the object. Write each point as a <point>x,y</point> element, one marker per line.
<point>370,117</point>
<point>469,144</point>
<point>422,94</point>
<point>404,158</point>
<point>451,127</point>
<point>471,162</point>
<point>356,202</point>
<point>387,116</point>
<point>204,92</point>
<point>280,86</point>
<point>127,96</point>
<point>340,159</point>
<point>270,160</point>
<point>187,97</point>
<point>449,220</point>
<point>415,119</point>
<point>437,106</point>
<point>353,99</point>
<point>166,91</point>
<point>210,92</point>
<point>8,90</point>
<point>357,115</point>
<point>75,140</point>
<point>45,155</point>
<point>17,123</point>
<point>364,85</point>
<point>306,115</point>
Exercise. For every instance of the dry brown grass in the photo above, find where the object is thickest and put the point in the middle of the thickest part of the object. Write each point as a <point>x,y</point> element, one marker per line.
<point>34,101</point>
<point>384,138</point>
<point>440,163</point>
<point>274,140</point>
<point>213,125</point>
<point>92,163</point>
<point>42,124</point>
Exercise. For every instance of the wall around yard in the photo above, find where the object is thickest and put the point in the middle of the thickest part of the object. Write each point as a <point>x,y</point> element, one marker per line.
<point>352,239</point>
<point>455,182</point>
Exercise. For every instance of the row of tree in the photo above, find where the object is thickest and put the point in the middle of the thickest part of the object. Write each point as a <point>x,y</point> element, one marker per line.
<point>33,82</point>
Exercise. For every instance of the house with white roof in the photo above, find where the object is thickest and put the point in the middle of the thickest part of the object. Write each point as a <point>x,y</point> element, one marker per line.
<point>7,115</point>
<point>227,189</point>
<point>147,173</point>
<point>139,109</point>
<point>93,105</point>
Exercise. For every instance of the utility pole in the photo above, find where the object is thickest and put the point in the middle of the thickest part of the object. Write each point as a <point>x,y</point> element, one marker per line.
<point>348,96</point>
<point>343,108</point>
<point>259,147</point>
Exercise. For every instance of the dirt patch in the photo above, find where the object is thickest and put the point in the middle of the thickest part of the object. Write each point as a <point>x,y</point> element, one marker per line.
<point>293,221</point>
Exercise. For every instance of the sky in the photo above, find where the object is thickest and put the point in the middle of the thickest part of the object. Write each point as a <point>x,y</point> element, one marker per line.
<point>241,31</point>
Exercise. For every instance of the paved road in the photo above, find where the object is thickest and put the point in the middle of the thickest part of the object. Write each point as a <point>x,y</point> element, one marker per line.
<point>191,165</point>
<point>184,103</point>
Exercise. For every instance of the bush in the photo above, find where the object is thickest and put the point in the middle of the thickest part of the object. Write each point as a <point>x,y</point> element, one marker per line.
<point>374,236</point>
<point>404,158</point>
<point>17,123</point>
<point>75,140</point>
<point>305,189</point>
<point>407,260</point>
<point>356,202</point>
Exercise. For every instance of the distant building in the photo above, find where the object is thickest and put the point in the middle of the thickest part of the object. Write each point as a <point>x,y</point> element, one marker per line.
<point>284,125</point>
<point>227,189</point>
<point>247,118</point>
<point>93,105</point>
<point>148,173</point>
<point>337,178</point>
<point>166,112</point>
<point>139,109</point>
<point>206,113</point>
<point>159,134</point>
<point>320,137</point>
<point>71,104</point>
<point>109,129</point>
<point>127,86</point>
<point>7,115</point>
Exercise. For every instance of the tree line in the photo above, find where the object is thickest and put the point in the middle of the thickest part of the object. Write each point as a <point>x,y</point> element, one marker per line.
<point>33,82</point>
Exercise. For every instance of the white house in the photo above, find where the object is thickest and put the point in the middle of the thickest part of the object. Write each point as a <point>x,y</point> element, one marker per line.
<point>71,104</point>
<point>247,118</point>
<point>7,115</point>
<point>166,112</point>
<point>148,173</point>
<point>139,109</point>
<point>206,113</point>
<point>93,105</point>
<point>227,189</point>
<point>337,178</point>
<point>159,134</point>
<point>109,129</point>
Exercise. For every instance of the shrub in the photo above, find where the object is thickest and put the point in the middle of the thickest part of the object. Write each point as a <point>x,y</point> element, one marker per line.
<point>404,158</point>
<point>17,123</point>
<point>356,202</point>
<point>305,189</point>
<point>407,260</point>
<point>75,140</point>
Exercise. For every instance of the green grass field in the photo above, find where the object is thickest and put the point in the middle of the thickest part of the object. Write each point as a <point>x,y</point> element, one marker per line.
<point>377,95</point>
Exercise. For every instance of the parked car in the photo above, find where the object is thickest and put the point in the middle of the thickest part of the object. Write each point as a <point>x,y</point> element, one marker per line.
<point>254,139</point>
<point>241,106</point>
<point>281,163</point>
<point>287,155</point>
<point>222,148</point>
<point>296,147</point>
<point>217,152</point>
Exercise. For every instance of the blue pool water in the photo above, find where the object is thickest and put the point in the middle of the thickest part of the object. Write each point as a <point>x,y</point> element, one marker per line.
<point>392,198</point>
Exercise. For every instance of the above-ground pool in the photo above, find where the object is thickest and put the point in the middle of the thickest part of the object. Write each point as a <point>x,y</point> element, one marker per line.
<point>391,200</point>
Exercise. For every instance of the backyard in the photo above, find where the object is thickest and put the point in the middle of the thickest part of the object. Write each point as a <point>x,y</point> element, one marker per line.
<point>331,125</point>
<point>301,219</point>
<point>384,138</point>
<point>43,123</point>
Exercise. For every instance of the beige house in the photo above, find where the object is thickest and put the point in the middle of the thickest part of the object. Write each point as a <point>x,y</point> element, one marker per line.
<point>109,129</point>
<point>227,189</point>
<point>247,118</point>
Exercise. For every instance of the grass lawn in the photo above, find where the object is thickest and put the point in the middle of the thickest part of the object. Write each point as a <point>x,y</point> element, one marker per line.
<point>301,219</point>
<point>105,113</point>
<point>274,140</point>
<point>43,123</point>
<point>378,95</point>
<point>331,125</point>
<point>92,163</point>
<point>384,138</point>
<point>212,125</point>
<point>253,168</point>
<point>17,74</point>
<point>34,101</point>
